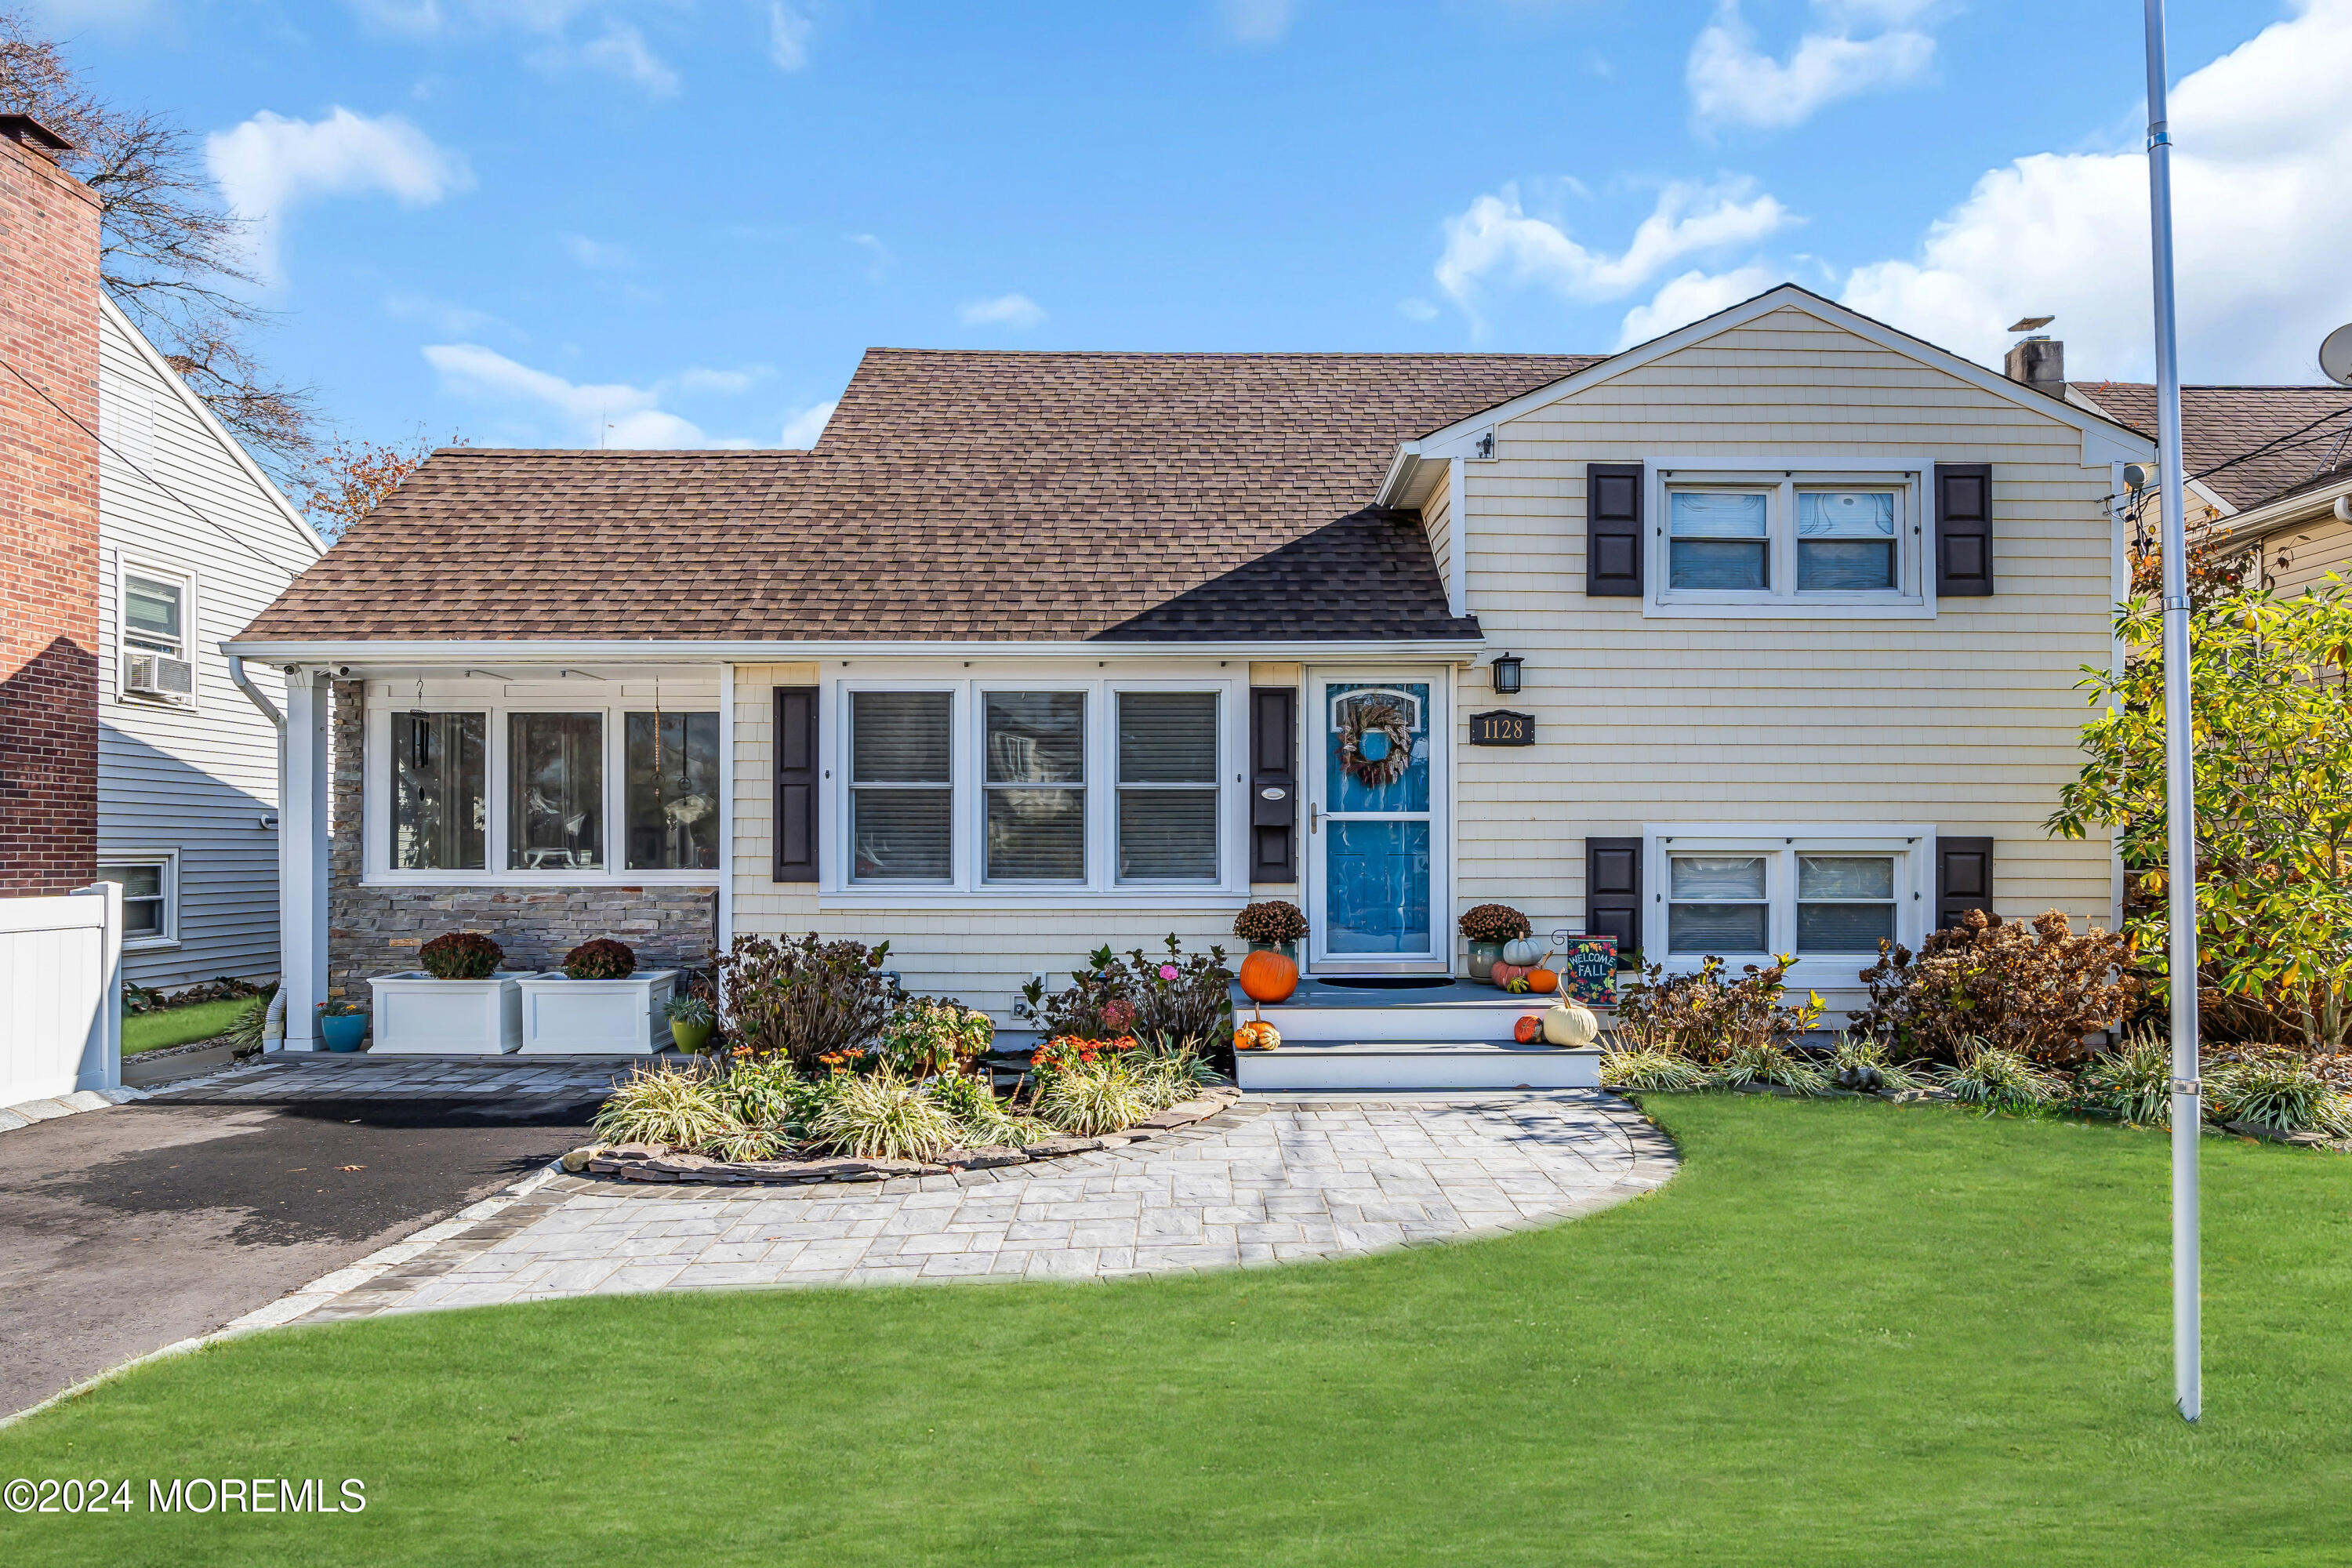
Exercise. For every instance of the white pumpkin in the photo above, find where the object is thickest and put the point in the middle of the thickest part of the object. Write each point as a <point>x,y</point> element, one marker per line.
<point>1571,1023</point>
<point>1524,953</point>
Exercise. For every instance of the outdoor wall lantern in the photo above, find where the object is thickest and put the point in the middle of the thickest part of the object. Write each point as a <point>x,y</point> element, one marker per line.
<point>1506,673</point>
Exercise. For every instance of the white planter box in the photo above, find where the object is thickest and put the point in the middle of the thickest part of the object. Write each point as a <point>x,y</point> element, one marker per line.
<point>416,1014</point>
<point>563,1017</point>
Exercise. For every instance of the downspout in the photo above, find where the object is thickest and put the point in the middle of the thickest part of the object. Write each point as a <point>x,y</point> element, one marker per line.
<point>273,1029</point>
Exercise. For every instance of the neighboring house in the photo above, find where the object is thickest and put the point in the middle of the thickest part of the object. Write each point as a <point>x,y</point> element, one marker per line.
<point>1038,651</point>
<point>2271,469</point>
<point>139,535</point>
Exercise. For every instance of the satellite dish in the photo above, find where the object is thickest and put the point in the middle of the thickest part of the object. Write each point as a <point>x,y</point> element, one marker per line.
<point>2336,356</point>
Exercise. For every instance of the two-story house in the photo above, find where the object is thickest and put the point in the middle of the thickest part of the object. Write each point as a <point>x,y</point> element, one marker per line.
<point>1762,638</point>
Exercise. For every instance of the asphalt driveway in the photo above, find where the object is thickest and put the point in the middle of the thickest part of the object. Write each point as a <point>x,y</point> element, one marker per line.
<point>124,1230</point>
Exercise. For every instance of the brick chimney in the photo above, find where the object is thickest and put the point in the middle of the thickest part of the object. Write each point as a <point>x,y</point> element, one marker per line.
<point>2039,362</point>
<point>48,517</point>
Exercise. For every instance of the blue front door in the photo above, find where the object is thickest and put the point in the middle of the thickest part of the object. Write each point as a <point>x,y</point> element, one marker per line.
<point>1374,822</point>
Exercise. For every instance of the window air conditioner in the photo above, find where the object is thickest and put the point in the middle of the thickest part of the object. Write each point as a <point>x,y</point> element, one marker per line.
<point>160,675</point>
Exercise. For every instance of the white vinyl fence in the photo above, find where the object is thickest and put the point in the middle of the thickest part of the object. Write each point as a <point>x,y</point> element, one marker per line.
<point>60,993</point>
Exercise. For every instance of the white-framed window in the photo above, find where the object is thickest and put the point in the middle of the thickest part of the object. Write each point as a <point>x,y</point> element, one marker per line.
<point>149,880</point>
<point>1824,897</point>
<point>1807,540</point>
<point>155,653</point>
<point>1043,786</point>
<point>481,781</point>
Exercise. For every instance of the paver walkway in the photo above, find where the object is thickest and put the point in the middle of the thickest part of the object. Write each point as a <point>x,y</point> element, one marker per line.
<point>1272,1181</point>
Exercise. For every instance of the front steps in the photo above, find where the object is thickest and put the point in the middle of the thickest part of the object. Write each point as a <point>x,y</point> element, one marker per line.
<point>1451,1037</point>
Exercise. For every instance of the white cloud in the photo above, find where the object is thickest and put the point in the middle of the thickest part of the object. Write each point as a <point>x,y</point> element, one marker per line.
<point>878,256</point>
<point>594,414</point>
<point>270,164</point>
<point>597,253</point>
<point>1495,242</point>
<point>1017,311</point>
<point>804,428</point>
<point>1694,294</point>
<point>726,381</point>
<point>1256,21</point>
<point>2261,228</point>
<point>441,315</point>
<point>621,50</point>
<point>1416,310</point>
<point>788,36</point>
<point>1732,82</point>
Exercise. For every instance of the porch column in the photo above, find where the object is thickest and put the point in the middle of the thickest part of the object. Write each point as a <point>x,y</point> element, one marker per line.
<point>302,859</point>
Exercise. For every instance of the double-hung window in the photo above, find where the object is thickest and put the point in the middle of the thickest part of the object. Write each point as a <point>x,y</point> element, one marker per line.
<point>156,653</point>
<point>1828,900</point>
<point>150,896</point>
<point>1793,543</point>
<point>524,793</point>
<point>1085,786</point>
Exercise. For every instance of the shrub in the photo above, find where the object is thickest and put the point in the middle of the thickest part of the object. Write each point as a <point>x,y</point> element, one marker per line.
<point>1770,1062</point>
<point>2278,1090</point>
<point>1647,1069</point>
<point>1493,923</point>
<point>1999,1079</point>
<point>1860,1064</point>
<point>665,1105</point>
<point>881,1116</point>
<point>803,1000</point>
<point>928,1035</point>
<point>982,1118</point>
<point>250,1032</point>
<point>2032,988</point>
<point>2133,1081</point>
<point>461,955</point>
<point>1186,997</point>
<point>602,959</point>
<point>769,1095</point>
<point>1274,921</point>
<point>1703,1015</point>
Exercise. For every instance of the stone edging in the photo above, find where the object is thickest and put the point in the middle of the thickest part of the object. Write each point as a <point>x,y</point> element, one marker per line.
<point>657,1162</point>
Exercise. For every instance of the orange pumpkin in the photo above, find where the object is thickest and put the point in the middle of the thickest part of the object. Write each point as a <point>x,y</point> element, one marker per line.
<point>1256,1035</point>
<point>1504,974</point>
<point>1530,1026</point>
<point>1542,979</point>
<point>1268,976</point>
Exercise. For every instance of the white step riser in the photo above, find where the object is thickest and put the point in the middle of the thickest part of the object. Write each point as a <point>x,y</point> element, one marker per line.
<point>1273,1070</point>
<point>1487,1024</point>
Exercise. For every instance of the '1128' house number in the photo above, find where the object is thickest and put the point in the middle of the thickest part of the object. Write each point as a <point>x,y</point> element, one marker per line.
<point>1500,726</point>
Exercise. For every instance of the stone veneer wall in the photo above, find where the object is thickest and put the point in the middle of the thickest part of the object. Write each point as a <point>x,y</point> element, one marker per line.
<point>377,930</point>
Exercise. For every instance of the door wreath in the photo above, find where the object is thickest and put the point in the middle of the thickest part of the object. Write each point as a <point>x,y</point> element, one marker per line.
<point>1375,743</point>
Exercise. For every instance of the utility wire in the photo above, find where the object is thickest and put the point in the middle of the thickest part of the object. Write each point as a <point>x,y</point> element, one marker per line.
<point>124,458</point>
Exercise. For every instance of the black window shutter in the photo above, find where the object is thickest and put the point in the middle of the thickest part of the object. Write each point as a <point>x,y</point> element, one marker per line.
<point>796,783</point>
<point>1273,784</point>
<point>1964,530</point>
<point>1963,879</point>
<point>1612,530</point>
<point>1613,894</point>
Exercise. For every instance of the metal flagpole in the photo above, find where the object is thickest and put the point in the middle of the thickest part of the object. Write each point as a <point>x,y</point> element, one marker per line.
<point>2179,757</point>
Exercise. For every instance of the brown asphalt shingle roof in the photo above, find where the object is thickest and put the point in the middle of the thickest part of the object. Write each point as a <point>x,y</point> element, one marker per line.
<point>968,496</point>
<point>2222,423</point>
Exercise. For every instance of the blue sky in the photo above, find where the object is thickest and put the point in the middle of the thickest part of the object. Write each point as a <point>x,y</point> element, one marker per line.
<point>679,222</point>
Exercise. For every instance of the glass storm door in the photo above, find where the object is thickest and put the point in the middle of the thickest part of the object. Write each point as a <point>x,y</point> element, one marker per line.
<point>1375,825</point>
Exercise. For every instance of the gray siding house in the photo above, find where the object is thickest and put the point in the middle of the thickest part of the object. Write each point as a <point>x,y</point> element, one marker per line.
<point>195,540</point>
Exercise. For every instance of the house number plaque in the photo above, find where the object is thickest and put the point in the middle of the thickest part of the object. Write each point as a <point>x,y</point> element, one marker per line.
<point>1500,726</point>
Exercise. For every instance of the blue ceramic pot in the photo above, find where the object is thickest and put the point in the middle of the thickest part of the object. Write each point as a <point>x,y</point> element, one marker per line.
<point>345,1033</point>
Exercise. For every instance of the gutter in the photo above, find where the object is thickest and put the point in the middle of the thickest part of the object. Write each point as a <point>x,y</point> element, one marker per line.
<point>687,651</point>
<point>2311,506</point>
<point>260,698</point>
<point>273,1027</point>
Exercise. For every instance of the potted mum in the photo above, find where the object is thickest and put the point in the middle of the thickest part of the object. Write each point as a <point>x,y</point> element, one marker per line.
<point>600,1003</point>
<point>458,1002</point>
<point>1273,926</point>
<point>1487,928</point>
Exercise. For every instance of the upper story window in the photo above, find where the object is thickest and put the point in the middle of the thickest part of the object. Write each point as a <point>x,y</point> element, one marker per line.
<point>157,664</point>
<point>527,794</point>
<point>1790,543</point>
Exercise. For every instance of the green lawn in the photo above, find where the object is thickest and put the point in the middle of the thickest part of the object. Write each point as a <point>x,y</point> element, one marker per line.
<point>1846,1333</point>
<point>179,1025</point>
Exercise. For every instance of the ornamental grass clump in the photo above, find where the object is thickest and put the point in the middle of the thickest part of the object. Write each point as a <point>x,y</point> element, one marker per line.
<point>461,955</point>
<point>1860,1064</point>
<point>602,959</point>
<point>1086,1087</point>
<point>881,1116</point>
<point>2132,1082</point>
<point>1768,1063</point>
<point>982,1119</point>
<point>2280,1091</point>
<point>665,1105</point>
<point>1643,1068</point>
<point>1999,1079</point>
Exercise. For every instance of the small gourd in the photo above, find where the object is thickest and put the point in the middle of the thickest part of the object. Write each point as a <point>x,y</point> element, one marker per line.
<point>1524,951</point>
<point>1505,972</point>
<point>1256,1035</point>
<point>1571,1023</point>
<point>1544,980</point>
<point>1528,1027</point>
